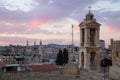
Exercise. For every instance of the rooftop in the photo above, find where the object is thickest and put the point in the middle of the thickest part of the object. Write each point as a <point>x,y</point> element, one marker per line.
<point>44,68</point>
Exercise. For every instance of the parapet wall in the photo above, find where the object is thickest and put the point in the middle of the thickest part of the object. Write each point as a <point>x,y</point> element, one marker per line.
<point>115,72</point>
<point>33,75</point>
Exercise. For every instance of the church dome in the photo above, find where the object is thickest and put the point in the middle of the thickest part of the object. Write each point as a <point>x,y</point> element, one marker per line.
<point>89,16</point>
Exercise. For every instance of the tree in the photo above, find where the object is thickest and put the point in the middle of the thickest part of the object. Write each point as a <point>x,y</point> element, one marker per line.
<point>106,62</point>
<point>59,60</point>
<point>65,55</point>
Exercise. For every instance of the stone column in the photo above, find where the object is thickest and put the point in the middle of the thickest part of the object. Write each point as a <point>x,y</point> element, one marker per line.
<point>79,60</point>
<point>80,37</point>
<point>86,37</point>
<point>97,37</point>
<point>85,59</point>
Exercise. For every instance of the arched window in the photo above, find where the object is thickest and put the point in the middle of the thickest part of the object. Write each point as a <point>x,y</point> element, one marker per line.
<point>83,37</point>
<point>82,59</point>
<point>92,36</point>
<point>92,58</point>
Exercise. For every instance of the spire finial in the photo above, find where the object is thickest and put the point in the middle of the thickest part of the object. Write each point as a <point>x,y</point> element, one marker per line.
<point>40,42</point>
<point>89,8</point>
<point>27,43</point>
<point>34,43</point>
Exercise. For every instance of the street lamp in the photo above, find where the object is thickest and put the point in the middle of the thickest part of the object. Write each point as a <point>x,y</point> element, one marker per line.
<point>72,41</point>
<point>106,63</point>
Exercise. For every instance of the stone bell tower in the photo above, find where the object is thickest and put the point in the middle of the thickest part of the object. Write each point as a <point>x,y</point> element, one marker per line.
<point>89,56</point>
<point>40,52</point>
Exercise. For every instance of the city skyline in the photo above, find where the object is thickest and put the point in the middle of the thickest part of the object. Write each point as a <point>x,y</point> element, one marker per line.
<point>51,20</point>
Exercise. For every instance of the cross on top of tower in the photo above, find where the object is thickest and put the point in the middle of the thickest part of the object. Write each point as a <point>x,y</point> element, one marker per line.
<point>89,16</point>
<point>89,8</point>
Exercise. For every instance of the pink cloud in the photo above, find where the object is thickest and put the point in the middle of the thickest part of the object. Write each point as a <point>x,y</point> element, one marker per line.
<point>36,23</point>
<point>76,28</point>
<point>112,28</point>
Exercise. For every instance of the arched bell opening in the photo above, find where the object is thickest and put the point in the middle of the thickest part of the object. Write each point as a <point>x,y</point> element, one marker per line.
<point>92,60</point>
<point>82,60</point>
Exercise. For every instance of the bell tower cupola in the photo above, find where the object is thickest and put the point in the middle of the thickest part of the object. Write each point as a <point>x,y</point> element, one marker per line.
<point>89,16</point>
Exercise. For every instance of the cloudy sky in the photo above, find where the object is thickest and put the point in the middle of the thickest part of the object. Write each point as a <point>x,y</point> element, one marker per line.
<point>51,20</point>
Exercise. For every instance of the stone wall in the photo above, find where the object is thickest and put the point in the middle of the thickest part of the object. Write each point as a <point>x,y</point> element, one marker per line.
<point>115,72</point>
<point>70,68</point>
<point>115,52</point>
<point>52,75</point>
<point>33,75</point>
<point>115,69</point>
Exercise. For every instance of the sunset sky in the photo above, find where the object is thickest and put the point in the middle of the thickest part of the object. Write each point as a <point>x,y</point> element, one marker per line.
<point>51,20</point>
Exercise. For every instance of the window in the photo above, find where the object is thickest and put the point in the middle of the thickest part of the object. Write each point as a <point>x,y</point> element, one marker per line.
<point>117,55</point>
<point>92,31</point>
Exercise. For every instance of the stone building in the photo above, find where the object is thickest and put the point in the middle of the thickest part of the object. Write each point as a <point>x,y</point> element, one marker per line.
<point>115,69</point>
<point>89,56</point>
<point>105,52</point>
<point>115,46</point>
<point>38,56</point>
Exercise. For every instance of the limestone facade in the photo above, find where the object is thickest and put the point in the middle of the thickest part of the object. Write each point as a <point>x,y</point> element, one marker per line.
<point>89,55</point>
<point>38,58</point>
<point>115,69</point>
<point>70,68</point>
<point>115,45</point>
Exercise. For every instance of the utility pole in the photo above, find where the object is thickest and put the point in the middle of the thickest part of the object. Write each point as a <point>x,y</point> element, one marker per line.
<point>72,44</point>
<point>72,39</point>
<point>72,35</point>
